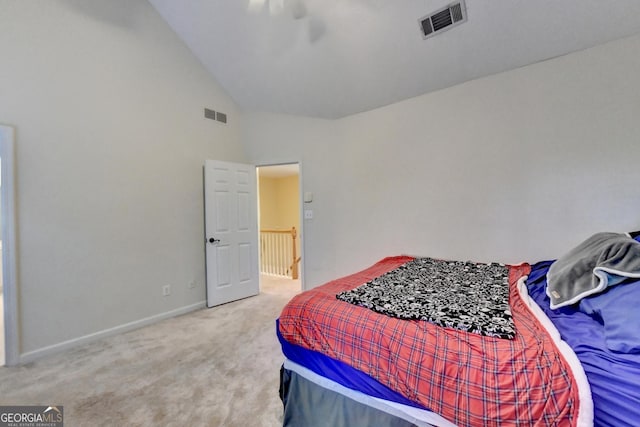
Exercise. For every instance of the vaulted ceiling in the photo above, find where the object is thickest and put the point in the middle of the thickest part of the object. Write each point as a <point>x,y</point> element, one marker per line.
<point>330,59</point>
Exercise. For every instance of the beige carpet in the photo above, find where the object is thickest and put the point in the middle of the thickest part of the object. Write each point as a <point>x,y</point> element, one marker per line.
<point>213,367</point>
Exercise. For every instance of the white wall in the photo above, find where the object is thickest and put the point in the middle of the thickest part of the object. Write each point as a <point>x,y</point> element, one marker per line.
<point>110,138</point>
<point>514,167</point>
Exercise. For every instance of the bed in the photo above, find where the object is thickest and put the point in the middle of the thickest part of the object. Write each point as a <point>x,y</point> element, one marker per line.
<point>348,363</point>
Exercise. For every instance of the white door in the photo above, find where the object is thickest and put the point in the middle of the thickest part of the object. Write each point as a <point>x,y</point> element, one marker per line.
<point>231,228</point>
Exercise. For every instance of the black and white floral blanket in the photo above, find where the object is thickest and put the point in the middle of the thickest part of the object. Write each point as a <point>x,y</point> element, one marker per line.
<point>468,296</point>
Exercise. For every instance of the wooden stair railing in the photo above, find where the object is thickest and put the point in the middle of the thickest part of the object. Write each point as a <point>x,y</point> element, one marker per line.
<point>278,255</point>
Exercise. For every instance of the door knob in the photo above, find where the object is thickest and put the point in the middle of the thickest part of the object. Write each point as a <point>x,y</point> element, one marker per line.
<point>213,240</point>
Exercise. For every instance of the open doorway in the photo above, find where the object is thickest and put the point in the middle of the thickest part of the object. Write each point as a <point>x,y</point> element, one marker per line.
<point>280,228</point>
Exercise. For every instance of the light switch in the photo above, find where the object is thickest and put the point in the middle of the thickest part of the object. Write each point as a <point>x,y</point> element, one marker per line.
<point>308,197</point>
<point>308,214</point>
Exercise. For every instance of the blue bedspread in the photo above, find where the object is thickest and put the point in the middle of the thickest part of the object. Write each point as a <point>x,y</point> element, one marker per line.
<point>614,377</point>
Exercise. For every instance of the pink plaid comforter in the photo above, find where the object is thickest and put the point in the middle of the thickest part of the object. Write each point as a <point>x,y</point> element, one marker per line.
<point>468,379</point>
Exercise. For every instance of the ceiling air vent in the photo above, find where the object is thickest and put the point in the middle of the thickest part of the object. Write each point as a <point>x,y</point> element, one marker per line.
<point>443,19</point>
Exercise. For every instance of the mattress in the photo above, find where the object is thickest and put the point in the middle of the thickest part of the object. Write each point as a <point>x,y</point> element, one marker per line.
<point>470,380</point>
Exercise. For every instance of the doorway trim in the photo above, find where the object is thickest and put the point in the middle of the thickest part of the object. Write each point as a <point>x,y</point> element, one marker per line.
<point>9,270</point>
<point>300,213</point>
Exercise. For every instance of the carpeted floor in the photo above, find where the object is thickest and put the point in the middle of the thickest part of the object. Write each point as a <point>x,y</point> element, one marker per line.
<point>212,367</point>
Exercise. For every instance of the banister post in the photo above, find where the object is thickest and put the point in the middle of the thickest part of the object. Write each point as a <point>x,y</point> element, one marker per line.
<point>294,265</point>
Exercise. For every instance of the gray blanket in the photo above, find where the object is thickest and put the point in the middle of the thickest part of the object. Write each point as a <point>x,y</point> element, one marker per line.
<point>603,260</point>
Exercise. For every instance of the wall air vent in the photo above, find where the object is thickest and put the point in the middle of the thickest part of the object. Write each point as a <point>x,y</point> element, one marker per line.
<point>443,19</point>
<point>209,114</point>
<point>221,117</point>
<point>215,115</point>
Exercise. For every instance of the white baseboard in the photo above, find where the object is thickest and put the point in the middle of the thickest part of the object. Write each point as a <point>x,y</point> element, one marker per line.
<point>65,345</point>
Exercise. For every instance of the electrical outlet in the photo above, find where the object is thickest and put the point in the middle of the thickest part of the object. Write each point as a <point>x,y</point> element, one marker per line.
<point>192,284</point>
<point>166,290</point>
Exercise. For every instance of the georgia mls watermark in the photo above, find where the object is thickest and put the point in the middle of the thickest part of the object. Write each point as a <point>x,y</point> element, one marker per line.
<point>31,416</point>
